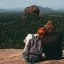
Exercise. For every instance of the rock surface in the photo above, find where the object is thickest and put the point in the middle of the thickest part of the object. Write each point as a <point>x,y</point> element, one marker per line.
<point>32,10</point>
<point>14,56</point>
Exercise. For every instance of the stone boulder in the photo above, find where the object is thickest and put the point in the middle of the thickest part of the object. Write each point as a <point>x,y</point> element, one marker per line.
<point>32,10</point>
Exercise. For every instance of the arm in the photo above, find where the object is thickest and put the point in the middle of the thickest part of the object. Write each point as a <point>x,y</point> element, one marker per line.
<point>26,40</point>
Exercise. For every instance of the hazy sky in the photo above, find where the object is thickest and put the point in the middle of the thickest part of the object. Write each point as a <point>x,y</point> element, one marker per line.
<point>54,4</point>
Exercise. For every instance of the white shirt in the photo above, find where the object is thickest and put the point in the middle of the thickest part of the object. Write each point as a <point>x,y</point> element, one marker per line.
<point>27,38</point>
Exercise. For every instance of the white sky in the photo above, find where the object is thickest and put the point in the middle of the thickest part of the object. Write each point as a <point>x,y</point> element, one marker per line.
<point>54,4</point>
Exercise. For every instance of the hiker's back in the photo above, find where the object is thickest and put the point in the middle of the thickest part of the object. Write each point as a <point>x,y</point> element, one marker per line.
<point>34,49</point>
<point>52,45</point>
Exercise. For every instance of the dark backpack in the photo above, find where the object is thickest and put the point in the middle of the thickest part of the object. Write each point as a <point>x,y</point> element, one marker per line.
<point>34,50</point>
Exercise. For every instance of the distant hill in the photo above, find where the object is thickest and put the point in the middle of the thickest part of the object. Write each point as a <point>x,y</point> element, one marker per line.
<point>3,10</point>
<point>42,10</point>
<point>46,10</point>
<point>10,10</point>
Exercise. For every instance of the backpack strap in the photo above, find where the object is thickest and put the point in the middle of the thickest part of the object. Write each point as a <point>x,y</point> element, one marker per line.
<point>29,45</point>
<point>33,36</point>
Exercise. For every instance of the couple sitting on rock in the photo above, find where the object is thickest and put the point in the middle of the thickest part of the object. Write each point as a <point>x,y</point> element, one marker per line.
<point>46,41</point>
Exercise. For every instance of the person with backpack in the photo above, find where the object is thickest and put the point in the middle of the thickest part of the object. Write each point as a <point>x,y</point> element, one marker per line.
<point>34,46</point>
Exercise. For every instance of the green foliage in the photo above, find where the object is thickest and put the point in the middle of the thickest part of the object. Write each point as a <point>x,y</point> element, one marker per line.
<point>15,26</point>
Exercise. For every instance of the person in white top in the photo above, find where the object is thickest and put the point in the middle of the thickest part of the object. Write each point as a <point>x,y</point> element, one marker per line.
<point>27,38</point>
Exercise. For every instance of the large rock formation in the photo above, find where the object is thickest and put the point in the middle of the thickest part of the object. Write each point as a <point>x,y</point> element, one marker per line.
<point>32,10</point>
